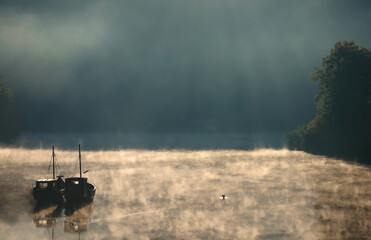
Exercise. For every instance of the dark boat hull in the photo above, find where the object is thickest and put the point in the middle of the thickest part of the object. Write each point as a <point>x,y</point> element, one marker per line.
<point>77,201</point>
<point>91,191</point>
<point>48,195</point>
<point>79,190</point>
<point>88,197</point>
<point>49,190</point>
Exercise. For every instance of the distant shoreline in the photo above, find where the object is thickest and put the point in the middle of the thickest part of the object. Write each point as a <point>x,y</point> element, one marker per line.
<point>112,141</point>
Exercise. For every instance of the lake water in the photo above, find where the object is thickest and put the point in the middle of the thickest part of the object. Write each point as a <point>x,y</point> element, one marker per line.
<point>174,194</point>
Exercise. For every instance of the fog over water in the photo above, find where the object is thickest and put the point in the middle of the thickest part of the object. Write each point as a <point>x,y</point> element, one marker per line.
<point>174,194</point>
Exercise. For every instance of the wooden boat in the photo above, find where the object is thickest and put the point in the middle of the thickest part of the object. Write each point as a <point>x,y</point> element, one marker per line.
<point>78,190</point>
<point>49,190</point>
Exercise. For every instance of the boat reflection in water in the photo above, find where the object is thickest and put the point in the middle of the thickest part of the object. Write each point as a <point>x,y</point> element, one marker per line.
<point>77,222</point>
<point>46,217</point>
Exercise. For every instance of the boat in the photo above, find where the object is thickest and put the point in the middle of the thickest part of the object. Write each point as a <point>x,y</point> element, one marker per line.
<point>49,190</point>
<point>78,190</point>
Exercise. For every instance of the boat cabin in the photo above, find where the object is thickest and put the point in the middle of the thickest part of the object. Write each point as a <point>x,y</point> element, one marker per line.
<point>76,187</point>
<point>46,183</point>
<point>49,189</point>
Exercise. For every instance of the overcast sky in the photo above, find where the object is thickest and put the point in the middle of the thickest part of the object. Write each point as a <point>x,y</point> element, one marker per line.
<point>171,65</point>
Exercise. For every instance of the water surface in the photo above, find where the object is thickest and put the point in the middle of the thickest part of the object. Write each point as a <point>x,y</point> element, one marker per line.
<point>174,194</point>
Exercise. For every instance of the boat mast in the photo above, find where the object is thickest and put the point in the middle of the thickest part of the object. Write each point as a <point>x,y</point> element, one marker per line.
<point>80,160</point>
<point>53,164</point>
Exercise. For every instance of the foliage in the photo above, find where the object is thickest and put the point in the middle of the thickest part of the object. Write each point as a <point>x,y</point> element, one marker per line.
<point>295,138</point>
<point>341,126</point>
<point>9,117</point>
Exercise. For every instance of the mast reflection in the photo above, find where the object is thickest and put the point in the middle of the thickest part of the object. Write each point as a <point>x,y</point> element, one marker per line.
<point>46,216</point>
<point>77,222</point>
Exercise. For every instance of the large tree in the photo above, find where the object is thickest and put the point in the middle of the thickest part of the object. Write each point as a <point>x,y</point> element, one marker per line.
<point>342,125</point>
<point>9,117</point>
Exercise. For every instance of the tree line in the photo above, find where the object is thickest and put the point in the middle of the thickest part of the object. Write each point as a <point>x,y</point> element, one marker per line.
<point>340,128</point>
<point>9,116</point>
<point>342,124</point>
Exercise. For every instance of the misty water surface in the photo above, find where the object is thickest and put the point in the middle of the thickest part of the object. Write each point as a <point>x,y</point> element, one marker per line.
<point>161,194</point>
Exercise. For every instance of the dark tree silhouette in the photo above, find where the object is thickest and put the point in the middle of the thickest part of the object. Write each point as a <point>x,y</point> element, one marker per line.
<point>9,117</point>
<point>342,125</point>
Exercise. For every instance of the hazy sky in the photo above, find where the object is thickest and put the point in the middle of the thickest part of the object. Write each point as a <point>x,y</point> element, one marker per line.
<point>171,65</point>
